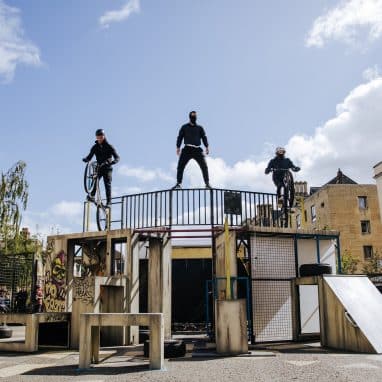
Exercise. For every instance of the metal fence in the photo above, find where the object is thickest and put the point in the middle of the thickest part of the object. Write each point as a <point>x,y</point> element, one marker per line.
<point>16,283</point>
<point>196,206</point>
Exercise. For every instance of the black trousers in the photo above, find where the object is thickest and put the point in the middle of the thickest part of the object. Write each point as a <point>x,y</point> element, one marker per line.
<point>278,180</point>
<point>188,153</point>
<point>107,174</point>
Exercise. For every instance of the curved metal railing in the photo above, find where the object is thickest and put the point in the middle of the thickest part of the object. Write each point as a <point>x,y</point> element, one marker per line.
<point>193,206</point>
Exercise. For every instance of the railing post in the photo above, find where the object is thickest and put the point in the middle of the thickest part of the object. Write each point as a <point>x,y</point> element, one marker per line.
<point>170,209</point>
<point>213,241</point>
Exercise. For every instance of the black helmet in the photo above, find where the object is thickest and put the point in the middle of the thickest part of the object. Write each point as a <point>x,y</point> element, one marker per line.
<point>100,132</point>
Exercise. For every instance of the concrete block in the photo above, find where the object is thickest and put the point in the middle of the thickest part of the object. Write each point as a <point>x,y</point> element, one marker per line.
<point>231,327</point>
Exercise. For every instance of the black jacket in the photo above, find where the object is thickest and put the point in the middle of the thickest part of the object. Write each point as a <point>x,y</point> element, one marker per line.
<point>192,135</point>
<point>104,154</point>
<point>278,163</point>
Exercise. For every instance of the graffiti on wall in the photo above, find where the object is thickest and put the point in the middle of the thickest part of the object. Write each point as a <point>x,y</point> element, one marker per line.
<point>55,284</point>
<point>84,289</point>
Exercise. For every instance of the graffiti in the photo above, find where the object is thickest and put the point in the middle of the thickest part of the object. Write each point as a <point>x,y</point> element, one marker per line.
<point>55,284</point>
<point>94,261</point>
<point>84,290</point>
<point>56,317</point>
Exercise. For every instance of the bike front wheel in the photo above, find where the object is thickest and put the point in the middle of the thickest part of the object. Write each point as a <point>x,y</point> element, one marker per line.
<point>103,218</point>
<point>90,176</point>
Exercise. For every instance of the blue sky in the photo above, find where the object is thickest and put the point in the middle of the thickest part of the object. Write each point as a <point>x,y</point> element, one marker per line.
<point>304,74</point>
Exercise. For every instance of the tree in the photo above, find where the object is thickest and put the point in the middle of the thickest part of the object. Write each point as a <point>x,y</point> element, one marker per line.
<point>373,265</point>
<point>13,199</point>
<point>349,262</point>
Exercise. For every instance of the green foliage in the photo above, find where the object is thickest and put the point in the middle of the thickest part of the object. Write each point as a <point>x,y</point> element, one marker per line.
<point>373,265</point>
<point>13,199</point>
<point>349,263</point>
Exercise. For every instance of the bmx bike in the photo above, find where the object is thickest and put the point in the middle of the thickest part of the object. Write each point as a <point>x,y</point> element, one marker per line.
<point>286,196</point>
<point>91,185</point>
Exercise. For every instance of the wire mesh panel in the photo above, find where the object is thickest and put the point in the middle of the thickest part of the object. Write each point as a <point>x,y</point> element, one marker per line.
<point>16,280</point>
<point>272,310</point>
<point>273,257</point>
<point>273,266</point>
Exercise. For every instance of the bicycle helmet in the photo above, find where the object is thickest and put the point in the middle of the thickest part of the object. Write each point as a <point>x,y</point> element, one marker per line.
<point>280,151</point>
<point>100,132</point>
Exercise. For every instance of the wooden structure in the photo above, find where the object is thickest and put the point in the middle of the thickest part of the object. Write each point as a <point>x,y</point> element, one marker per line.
<point>90,324</point>
<point>350,312</point>
<point>31,322</point>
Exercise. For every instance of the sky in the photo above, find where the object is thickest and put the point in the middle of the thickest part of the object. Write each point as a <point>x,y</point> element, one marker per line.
<point>301,74</point>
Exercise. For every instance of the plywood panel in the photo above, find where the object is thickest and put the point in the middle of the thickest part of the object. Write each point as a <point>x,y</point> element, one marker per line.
<point>355,296</point>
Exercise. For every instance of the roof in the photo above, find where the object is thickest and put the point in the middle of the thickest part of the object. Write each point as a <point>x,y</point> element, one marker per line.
<point>340,178</point>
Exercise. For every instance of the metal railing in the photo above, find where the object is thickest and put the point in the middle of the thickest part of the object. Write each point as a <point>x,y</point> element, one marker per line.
<point>196,206</point>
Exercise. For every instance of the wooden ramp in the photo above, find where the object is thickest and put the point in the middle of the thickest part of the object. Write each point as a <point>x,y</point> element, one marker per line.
<point>350,313</point>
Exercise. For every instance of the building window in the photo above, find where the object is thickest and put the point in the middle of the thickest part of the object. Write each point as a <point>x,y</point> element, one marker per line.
<point>305,216</point>
<point>365,226</point>
<point>313,213</point>
<point>298,221</point>
<point>362,202</point>
<point>367,252</point>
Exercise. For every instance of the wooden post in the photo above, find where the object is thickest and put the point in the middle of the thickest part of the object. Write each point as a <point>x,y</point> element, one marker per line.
<point>85,342</point>
<point>156,342</point>
<point>95,339</point>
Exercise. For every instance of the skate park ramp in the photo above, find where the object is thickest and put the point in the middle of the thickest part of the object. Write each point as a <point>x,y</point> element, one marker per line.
<point>351,314</point>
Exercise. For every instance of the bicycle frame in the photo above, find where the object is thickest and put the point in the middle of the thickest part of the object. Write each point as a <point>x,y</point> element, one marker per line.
<point>287,196</point>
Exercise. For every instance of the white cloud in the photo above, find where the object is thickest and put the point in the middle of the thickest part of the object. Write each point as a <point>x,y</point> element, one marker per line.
<point>370,74</point>
<point>246,174</point>
<point>68,209</point>
<point>127,190</point>
<point>143,174</point>
<point>132,6</point>
<point>347,22</point>
<point>14,48</point>
<point>350,141</point>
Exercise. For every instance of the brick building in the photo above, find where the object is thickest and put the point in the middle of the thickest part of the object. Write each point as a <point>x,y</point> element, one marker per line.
<point>345,206</point>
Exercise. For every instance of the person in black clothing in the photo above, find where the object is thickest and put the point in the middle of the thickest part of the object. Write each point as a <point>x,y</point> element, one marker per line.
<point>106,156</point>
<point>193,135</point>
<point>279,164</point>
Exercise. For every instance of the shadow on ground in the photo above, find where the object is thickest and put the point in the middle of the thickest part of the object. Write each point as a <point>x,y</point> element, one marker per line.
<point>72,370</point>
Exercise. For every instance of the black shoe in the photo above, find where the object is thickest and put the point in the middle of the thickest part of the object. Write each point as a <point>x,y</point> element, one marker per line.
<point>208,186</point>
<point>177,186</point>
<point>90,198</point>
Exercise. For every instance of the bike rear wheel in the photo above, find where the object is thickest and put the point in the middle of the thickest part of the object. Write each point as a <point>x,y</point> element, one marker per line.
<point>90,176</point>
<point>284,214</point>
<point>103,217</point>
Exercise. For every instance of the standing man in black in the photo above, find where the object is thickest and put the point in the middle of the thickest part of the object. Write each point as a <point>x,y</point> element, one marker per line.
<point>106,156</point>
<point>193,136</point>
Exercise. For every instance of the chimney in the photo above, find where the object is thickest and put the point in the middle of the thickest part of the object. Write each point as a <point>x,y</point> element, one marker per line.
<point>301,188</point>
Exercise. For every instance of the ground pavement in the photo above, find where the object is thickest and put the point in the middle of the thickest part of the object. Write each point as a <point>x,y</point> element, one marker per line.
<point>283,362</point>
